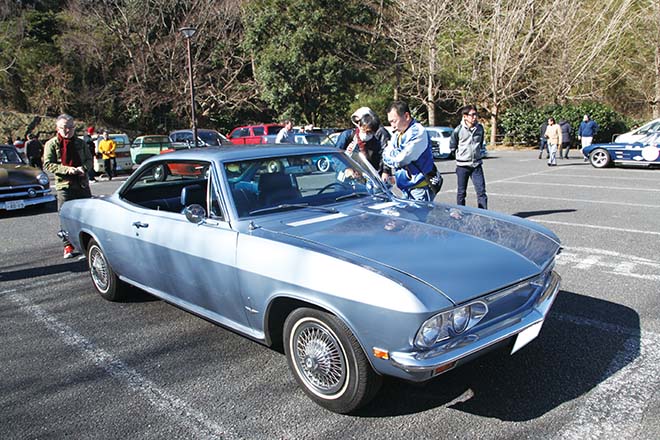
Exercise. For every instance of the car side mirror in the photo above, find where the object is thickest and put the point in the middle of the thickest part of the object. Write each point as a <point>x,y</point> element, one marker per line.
<point>195,213</point>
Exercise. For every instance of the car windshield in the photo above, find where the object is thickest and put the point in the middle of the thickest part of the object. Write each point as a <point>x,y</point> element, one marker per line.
<point>265,185</point>
<point>210,137</point>
<point>8,155</point>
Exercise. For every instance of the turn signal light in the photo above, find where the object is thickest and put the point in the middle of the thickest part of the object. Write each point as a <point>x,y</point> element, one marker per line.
<point>380,353</point>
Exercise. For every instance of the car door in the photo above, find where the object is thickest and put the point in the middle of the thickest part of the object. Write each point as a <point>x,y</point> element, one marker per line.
<point>192,265</point>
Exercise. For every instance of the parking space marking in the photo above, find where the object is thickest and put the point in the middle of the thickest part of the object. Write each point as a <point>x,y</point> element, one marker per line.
<point>606,228</point>
<point>616,407</point>
<point>573,185</point>
<point>608,177</point>
<point>197,422</point>
<point>563,199</point>
<point>609,261</point>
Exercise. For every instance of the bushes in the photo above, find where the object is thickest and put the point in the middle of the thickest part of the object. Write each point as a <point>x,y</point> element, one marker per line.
<point>523,123</point>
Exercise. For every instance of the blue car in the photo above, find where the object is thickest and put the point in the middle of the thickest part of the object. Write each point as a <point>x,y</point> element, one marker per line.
<point>353,283</point>
<point>635,154</point>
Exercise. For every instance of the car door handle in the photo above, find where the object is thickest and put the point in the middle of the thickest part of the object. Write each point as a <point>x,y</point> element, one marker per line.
<point>140,225</point>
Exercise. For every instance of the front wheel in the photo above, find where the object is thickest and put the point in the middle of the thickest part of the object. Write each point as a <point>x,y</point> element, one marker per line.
<point>328,362</point>
<point>599,158</point>
<point>105,280</point>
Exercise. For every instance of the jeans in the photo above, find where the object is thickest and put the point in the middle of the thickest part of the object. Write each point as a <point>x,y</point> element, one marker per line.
<point>423,194</point>
<point>543,146</point>
<point>552,153</point>
<point>565,146</point>
<point>479,182</point>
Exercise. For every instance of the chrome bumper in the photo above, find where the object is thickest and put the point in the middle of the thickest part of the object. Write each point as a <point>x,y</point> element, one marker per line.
<point>421,366</point>
<point>33,201</point>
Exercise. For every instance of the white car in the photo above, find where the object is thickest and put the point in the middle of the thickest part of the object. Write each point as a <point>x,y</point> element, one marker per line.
<point>648,133</point>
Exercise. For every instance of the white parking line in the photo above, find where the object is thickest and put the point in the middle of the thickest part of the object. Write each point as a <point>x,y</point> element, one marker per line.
<point>606,228</point>
<point>616,407</point>
<point>562,199</point>
<point>608,177</point>
<point>197,422</point>
<point>584,258</point>
<point>572,185</point>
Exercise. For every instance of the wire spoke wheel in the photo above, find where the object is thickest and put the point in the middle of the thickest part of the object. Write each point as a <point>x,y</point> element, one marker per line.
<point>98,268</point>
<point>320,358</point>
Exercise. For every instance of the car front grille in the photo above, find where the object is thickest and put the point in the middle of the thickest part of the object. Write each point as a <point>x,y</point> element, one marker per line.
<point>22,192</point>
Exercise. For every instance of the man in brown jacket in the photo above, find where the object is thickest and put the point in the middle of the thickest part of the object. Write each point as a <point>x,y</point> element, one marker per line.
<point>69,159</point>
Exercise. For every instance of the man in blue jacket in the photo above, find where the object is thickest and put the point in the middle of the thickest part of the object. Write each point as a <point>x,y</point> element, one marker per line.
<point>409,153</point>
<point>586,132</point>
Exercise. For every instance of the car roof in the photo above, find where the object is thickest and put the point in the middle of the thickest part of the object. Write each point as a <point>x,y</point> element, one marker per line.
<point>189,130</point>
<point>246,152</point>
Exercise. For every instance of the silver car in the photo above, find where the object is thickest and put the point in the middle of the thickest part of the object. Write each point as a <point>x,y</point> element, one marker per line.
<point>352,282</point>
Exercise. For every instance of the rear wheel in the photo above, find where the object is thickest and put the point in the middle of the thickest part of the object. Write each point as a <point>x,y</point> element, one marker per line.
<point>328,362</point>
<point>105,280</point>
<point>599,158</point>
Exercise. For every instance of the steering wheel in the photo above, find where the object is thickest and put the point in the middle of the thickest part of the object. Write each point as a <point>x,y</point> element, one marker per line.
<point>331,185</point>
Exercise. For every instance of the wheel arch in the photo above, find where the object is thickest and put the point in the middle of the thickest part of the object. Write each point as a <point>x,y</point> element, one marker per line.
<point>280,308</point>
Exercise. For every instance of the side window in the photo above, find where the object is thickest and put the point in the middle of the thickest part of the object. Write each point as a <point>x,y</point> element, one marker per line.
<point>242,132</point>
<point>170,186</point>
<point>258,131</point>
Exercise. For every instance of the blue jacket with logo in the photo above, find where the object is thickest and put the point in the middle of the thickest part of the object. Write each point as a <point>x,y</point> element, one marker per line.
<point>409,153</point>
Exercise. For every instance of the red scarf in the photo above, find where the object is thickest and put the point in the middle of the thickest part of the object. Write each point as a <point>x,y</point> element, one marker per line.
<point>70,156</point>
<point>361,144</point>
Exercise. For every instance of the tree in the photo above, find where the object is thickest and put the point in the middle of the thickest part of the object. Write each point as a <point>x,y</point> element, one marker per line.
<point>309,57</point>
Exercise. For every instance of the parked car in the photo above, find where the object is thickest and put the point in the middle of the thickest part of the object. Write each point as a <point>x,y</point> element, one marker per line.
<point>352,282</point>
<point>440,137</point>
<point>253,134</point>
<point>205,138</point>
<point>122,153</point>
<point>20,184</point>
<point>648,133</point>
<point>143,147</point>
<point>635,154</point>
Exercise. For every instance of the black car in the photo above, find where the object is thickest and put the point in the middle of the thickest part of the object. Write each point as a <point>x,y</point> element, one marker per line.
<point>20,184</point>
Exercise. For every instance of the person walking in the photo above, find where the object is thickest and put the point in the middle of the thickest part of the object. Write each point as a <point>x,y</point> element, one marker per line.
<point>68,158</point>
<point>285,135</point>
<point>409,154</point>
<point>553,135</point>
<point>543,143</point>
<point>466,142</point>
<point>34,150</point>
<point>107,149</point>
<point>566,138</point>
<point>586,132</point>
<point>364,137</point>
<point>89,140</point>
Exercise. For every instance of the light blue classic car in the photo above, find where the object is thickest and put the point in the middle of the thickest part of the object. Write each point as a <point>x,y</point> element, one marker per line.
<point>350,281</point>
<point>634,154</point>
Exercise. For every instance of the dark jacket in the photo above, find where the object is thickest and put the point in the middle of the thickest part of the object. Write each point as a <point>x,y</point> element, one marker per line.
<point>566,132</point>
<point>34,148</point>
<point>373,146</point>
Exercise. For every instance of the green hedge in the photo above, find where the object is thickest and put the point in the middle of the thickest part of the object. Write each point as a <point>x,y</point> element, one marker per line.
<point>522,123</point>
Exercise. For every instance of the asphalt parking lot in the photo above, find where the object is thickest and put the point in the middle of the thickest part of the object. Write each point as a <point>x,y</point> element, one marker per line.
<point>76,365</point>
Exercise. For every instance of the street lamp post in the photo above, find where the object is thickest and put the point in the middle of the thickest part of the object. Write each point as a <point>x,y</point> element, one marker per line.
<point>188,33</point>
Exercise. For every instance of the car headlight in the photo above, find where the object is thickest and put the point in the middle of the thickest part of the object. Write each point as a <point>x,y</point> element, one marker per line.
<point>42,179</point>
<point>450,323</point>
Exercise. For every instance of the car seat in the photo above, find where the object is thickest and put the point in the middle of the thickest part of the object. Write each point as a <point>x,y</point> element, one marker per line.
<point>275,188</point>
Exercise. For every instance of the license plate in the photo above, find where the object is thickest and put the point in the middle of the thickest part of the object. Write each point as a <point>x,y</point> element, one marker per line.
<point>526,336</point>
<point>14,204</point>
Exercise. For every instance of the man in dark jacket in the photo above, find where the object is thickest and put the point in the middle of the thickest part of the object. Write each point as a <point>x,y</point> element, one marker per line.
<point>566,138</point>
<point>34,151</point>
<point>543,140</point>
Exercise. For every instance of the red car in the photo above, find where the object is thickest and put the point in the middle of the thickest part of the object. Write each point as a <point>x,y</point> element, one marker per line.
<point>253,134</point>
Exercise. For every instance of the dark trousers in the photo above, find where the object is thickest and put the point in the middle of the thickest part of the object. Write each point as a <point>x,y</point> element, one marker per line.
<point>463,174</point>
<point>565,146</point>
<point>110,167</point>
<point>36,162</point>
<point>66,194</point>
<point>543,146</point>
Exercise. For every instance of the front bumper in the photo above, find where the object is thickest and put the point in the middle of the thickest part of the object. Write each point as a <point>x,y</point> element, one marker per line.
<point>421,366</point>
<point>11,205</point>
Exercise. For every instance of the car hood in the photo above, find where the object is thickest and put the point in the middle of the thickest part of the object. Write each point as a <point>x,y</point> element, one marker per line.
<point>461,252</point>
<point>13,174</point>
